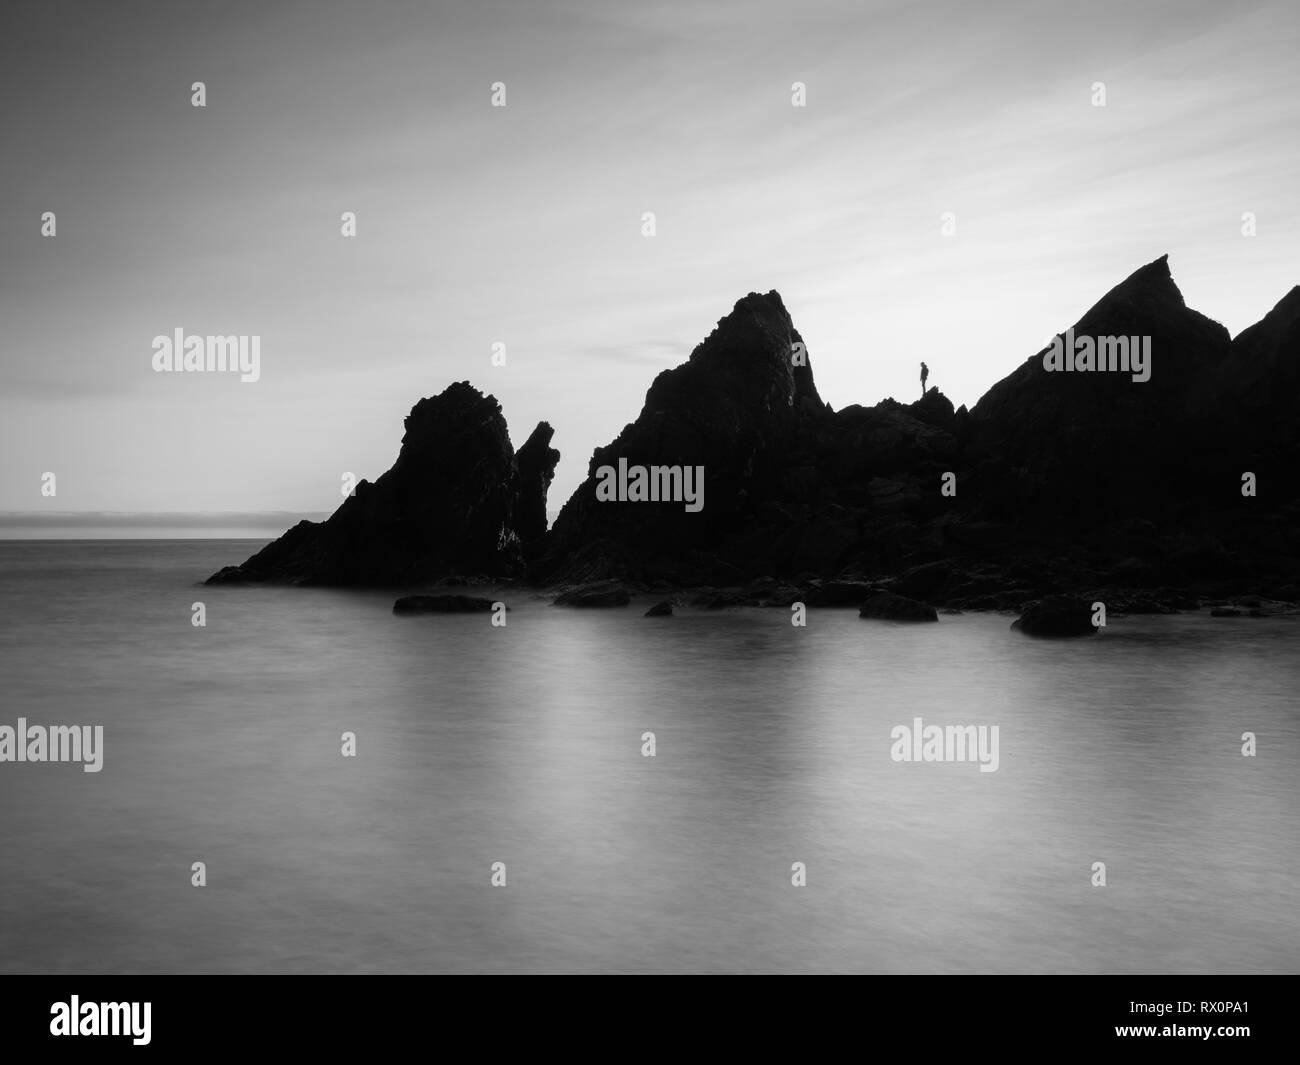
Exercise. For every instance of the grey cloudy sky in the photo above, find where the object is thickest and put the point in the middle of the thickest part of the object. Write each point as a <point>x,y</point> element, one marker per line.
<point>523,224</point>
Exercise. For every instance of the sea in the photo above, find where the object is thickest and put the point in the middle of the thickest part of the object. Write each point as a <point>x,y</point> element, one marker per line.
<point>598,791</point>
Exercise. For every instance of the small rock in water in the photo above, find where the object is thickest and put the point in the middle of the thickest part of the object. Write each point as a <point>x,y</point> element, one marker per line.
<point>441,604</point>
<point>891,607</point>
<point>594,595</point>
<point>660,610</point>
<point>1059,615</point>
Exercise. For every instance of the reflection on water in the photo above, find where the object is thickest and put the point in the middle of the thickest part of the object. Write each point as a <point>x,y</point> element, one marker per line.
<point>523,745</point>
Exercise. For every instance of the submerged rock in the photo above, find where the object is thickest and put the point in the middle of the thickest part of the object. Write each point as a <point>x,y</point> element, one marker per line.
<point>441,604</point>
<point>660,610</point>
<point>594,595</point>
<point>1057,616</point>
<point>890,607</point>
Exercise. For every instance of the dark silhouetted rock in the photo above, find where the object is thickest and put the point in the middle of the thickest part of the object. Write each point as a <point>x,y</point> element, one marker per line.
<point>889,607</point>
<point>662,609</point>
<point>441,604</point>
<point>1225,612</point>
<point>1067,483</point>
<point>1050,444</point>
<point>594,595</point>
<point>791,487</point>
<point>535,462</point>
<point>1057,616</point>
<point>1257,391</point>
<point>733,408</point>
<point>456,500</point>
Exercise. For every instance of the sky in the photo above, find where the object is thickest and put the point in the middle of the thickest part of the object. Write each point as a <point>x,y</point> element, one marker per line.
<point>523,225</point>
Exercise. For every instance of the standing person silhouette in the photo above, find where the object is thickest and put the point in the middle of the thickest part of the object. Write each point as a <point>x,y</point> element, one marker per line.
<point>925,373</point>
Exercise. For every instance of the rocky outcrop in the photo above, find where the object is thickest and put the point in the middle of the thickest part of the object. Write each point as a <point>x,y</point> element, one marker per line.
<point>732,408</point>
<point>441,604</point>
<point>737,480</point>
<point>535,462</point>
<point>1103,481</point>
<point>1055,482</point>
<point>791,487</point>
<point>457,500</point>
<point>1261,382</point>
<point>889,607</point>
<point>1264,366</point>
<point>1046,446</point>
<point>663,609</point>
<point>594,595</point>
<point>1056,616</point>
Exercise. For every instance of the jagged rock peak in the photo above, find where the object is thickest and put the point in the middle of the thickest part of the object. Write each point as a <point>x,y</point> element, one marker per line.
<point>460,395</point>
<point>759,328</point>
<point>1149,286</point>
<point>536,462</point>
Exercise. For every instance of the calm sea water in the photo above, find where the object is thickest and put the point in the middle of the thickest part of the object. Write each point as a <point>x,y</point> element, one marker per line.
<point>523,745</point>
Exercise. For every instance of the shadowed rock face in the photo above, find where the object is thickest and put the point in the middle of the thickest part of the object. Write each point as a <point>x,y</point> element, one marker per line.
<point>457,501</point>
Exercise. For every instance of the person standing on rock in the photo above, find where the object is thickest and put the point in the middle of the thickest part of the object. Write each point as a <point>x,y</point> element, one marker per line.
<point>925,373</point>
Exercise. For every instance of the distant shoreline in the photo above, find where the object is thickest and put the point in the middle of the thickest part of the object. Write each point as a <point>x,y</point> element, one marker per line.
<point>207,536</point>
<point>92,526</point>
<point>96,526</point>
